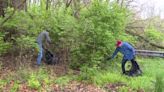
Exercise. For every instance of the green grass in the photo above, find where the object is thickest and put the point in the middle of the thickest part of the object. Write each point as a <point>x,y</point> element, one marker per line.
<point>151,67</point>
<point>62,81</point>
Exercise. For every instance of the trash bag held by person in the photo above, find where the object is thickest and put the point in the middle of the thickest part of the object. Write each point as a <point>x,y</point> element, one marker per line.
<point>50,58</point>
<point>128,55</point>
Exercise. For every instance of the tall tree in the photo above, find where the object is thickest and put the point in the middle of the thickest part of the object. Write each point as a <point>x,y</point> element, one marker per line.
<point>47,4</point>
<point>19,5</point>
<point>68,3</point>
<point>3,5</point>
<point>76,5</point>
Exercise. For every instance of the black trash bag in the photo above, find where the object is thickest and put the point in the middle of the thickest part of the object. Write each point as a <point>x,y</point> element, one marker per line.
<point>50,58</point>
<point>133,72</point>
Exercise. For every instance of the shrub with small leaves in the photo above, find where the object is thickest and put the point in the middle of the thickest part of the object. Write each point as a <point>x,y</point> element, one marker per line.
<point>33,82</point>
<point>87,74</point>
<point>4,46</point>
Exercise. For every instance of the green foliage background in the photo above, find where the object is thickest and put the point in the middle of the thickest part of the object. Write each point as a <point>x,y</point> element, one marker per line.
<point>89,38</point>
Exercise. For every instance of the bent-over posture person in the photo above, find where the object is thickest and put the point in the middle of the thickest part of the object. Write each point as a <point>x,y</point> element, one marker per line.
<point>128,55</point>
<point>41,37</point>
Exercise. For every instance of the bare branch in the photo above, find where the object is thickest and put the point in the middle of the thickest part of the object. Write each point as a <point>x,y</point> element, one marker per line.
<point>68,3</point>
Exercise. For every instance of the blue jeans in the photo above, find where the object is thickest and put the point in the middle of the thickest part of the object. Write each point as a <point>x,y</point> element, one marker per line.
<point>40,54</point>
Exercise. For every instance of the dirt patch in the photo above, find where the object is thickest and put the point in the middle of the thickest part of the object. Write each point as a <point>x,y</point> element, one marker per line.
<point>80,87</point>
<point>114,87</point>
<point>71,87</point>
<point>75,87</point>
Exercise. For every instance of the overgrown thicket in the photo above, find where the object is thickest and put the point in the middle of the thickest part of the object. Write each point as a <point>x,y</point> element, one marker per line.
<point>83,41</point>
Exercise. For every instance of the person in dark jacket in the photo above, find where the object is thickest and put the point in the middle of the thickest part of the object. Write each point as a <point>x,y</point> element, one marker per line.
<point>128,55</point>
<point>41,37</point>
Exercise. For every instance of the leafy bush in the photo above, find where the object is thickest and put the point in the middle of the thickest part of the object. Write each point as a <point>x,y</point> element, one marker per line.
<point>87,39</point>
<point>124,89</point>
<point>33,82</point>
<point>63,80</point>
<point>99,28</point>
<point>15,30</point>
<point>2,84</point>
<point>36,78</point>
<point>26,44</point>
<point>87,74</point>
<point>15,87</point>
<point>154,35</point>
<point>4,46</point>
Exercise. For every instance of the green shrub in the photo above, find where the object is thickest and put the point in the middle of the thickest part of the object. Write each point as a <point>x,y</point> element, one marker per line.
<point>4,46</point>
<point>87,74</point>
<point>62,81</point>
<point>15,87</point>
<point>26,44</point>
<point>2,84</point>
<point>99,28</point>
<point>154,35</point>
<point>87,39</point>
<point>33,82</point>
<point>35,79</point>
<point>124,89</point>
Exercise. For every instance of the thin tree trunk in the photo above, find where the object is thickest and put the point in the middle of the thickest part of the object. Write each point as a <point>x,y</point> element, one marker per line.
<point>76,8</point>
<point>122,2</point>
<point>3,4</point>
<point>25,5</point>
<point>16,3</point>
<point>107,1</point>
<point>68,3</point>
<point>118,1</point>
<point>47,4</point>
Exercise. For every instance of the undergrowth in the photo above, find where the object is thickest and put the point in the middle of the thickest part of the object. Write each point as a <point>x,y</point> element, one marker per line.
<point>150,81</point>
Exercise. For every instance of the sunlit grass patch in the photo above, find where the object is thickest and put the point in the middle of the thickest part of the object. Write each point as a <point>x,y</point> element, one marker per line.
<point>104,78</point>
<point>150,67</point>
<point>62,81</point>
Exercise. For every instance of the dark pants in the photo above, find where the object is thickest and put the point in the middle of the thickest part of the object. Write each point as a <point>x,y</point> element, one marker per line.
<point>135,66</point>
